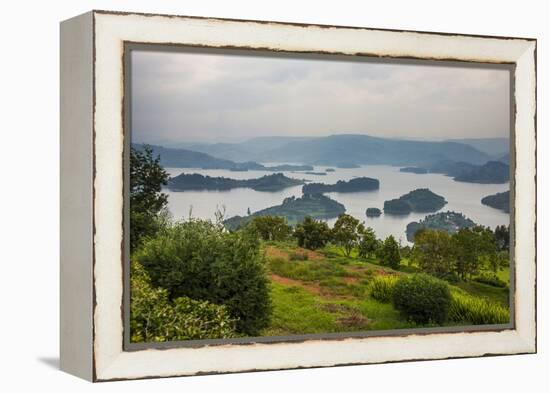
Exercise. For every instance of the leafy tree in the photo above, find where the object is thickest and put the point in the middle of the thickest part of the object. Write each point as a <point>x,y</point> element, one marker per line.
<point>502,237</point>
<point>312,234</point>
<point>345,232</point>
<point>147,202</point>
<point>434,253</point>
<point>475,250</point>
<point>202,261</point>
<point>155,318</point>
<point>271,227</point>
<point>368,244</point>
<point>390,253</point>
<point>422,298</point>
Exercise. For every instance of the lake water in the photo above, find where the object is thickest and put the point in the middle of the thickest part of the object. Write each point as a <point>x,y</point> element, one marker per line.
<point>461,197</point>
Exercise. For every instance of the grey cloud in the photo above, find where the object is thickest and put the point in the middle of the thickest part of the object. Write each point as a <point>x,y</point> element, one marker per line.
<point>188,96</point>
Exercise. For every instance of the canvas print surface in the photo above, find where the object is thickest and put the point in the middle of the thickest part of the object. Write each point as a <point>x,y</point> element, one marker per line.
<point>282,195</point>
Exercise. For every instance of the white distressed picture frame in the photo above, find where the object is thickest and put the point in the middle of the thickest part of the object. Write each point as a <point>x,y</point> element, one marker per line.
<point>92,198</point>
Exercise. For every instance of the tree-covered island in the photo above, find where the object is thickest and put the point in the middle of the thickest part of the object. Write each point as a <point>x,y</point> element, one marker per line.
<point>373,212</point>
<point>187,182</point>
<point>499,201</point>
<point>421,200</point>
<point>450,222</point>
<point>295,210</point>
<point>414,169</point>
<point>353,185</point>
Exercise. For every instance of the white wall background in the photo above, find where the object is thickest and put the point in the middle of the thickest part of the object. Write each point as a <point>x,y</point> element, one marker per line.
<point>29,198</point>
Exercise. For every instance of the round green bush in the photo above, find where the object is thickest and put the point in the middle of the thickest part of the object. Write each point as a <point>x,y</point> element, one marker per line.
<point>202,261</point>
<point>422,299</point>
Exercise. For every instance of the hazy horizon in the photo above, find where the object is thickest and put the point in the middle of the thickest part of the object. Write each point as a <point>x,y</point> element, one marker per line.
<point>181,97</point>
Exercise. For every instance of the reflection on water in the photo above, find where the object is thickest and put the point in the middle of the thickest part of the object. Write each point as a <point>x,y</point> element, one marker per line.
<point>461,197</point>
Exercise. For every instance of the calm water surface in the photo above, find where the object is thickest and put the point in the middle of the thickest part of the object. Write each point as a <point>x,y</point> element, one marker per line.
<point>461,197</point>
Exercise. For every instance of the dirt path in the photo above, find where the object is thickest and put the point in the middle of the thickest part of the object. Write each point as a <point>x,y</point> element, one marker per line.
<point>312,288</point>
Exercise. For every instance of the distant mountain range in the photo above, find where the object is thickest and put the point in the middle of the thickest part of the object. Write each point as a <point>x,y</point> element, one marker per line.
<point>341,151</point>
<point>495,147</point>
<point>184,158</point>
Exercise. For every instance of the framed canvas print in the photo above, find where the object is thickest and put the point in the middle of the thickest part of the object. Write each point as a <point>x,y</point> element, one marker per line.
<point>246,195</point>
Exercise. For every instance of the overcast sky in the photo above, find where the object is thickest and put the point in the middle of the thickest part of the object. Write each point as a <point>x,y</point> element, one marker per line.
<point>186,97</point>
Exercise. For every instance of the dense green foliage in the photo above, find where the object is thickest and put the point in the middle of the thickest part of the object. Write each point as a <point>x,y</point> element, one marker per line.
<point>345,232</point>
<point>354,185</point>
<point>499,201</point>
<point>468,309</point>
<point>502,237</point>
<point>389,253</point>
<point>382,287</point>
<point>422,298</point>
<point>463,255</point>
<point>368,243</point>
<point>156,318</point>
<point>433,253</point>
<point>200,260</point>
<point>312,234</point>
<point>274,182</point>
<point>449,222</point>
<point>420,200</point>
<point>146,199</point>
<point>271,227</point>
<point>295,210</point>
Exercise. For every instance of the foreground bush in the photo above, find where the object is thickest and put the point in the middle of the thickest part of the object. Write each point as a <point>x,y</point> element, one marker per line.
<point>199,260</point>
<point>422,298</point>
<point>381,287</point>
<point>154,318</point>
<point>468,309</point>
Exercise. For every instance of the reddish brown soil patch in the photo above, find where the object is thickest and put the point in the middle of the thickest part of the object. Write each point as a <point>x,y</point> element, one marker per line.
<point>350,280</point>
<point>355,320</point>
<point>273,252</point>
<point>312,288</point>
<point>311,255</point>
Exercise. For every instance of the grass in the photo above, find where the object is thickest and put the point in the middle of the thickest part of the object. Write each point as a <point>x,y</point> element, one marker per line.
<point>327,292</point>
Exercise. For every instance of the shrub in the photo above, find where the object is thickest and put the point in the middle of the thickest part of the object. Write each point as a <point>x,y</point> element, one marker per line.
<point>199,260</point>
<point>154,318</point>
<point>381,287</point>
<point>390,253</point>
<point>422,298</point>
<point>477,311</point>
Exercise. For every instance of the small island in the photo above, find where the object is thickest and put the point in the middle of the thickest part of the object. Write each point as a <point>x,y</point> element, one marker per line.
<point>373,212</point>
<point>353,185</point>
<point>294,210</point>
<point>316,173</point>
<point>421,200</point>
<point>187,182</point>
<point>450,222</point>
<point>499,201</point>
<point>414,169</point>
<point>330,170</point>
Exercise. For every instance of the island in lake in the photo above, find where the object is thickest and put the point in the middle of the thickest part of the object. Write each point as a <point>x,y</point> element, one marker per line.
<point>330,170</point>
<point>373,212</point>
<point>450,222</point>
<point>492,172</point>
<point>294,210</point>
<point>186,182</point>
<point>421,200</point>
<point>316,173</point>
<point>414,169</point>
<point>499,201</point>
<point>353,185</point>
